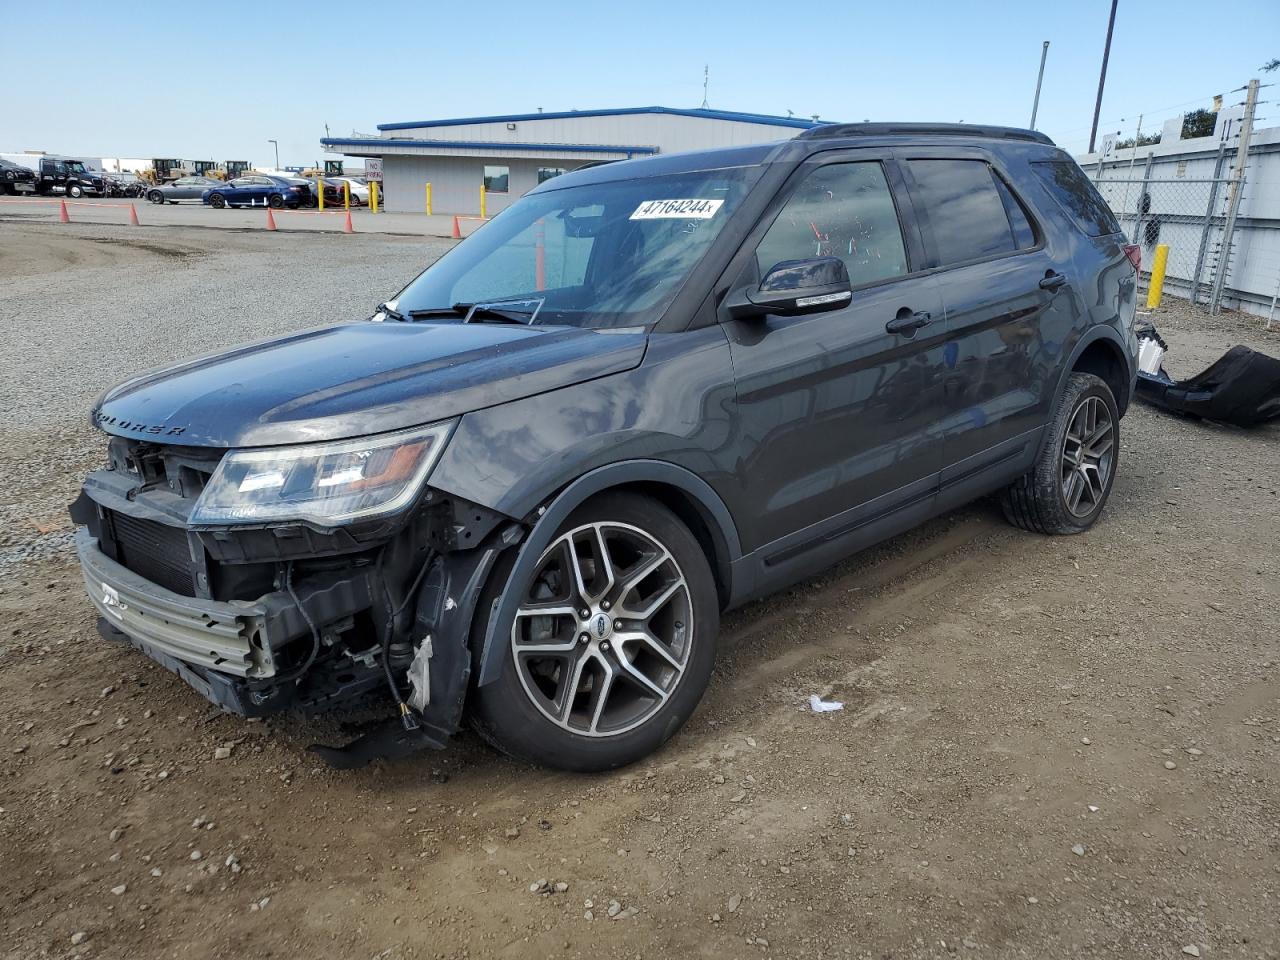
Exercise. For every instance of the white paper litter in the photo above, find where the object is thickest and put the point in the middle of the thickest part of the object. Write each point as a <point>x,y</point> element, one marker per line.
<point>818,705</point>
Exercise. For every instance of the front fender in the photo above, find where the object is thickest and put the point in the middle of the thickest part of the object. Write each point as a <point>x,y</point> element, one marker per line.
<point>552,515</point>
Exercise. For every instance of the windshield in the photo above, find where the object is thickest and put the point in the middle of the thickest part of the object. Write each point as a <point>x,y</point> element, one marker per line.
<point>598,255</point>
<point>75,166</point>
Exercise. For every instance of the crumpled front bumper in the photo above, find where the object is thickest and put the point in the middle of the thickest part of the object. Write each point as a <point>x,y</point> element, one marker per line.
<point>214,647</point>
<point>227,637</point>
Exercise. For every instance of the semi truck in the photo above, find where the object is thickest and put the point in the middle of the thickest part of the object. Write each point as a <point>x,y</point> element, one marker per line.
<point>56,174</point>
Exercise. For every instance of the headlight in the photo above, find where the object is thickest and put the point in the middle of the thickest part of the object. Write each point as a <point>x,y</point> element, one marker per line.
<point>328,483</point>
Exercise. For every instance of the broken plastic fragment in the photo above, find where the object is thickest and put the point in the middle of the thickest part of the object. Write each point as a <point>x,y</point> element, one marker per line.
<point>818,705</point>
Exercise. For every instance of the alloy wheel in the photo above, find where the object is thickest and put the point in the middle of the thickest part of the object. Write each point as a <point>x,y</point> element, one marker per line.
<point>1088,454</point>
<point>604,630</point>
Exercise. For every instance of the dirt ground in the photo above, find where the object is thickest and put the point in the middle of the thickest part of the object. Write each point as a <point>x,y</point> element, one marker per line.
<point>1049,748</point>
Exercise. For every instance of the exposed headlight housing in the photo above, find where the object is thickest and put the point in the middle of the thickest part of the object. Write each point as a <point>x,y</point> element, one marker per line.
<point>326,483</point>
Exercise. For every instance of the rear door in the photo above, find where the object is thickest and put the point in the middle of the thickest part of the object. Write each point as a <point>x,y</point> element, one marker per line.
<point>1009,306</point>
<point>836,413</point>
<point>188,188</point>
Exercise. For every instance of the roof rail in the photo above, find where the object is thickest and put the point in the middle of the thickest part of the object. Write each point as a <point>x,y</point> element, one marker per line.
<point>832,130</point>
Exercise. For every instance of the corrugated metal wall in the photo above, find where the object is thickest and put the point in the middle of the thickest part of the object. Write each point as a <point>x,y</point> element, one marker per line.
<point>669,132</point>
<point>455,182</point>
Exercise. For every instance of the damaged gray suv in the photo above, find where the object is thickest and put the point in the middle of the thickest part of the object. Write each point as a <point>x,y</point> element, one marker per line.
<point>523,492</point>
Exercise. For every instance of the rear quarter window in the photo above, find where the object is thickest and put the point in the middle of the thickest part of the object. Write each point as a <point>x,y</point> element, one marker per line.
<point>1077,196</point>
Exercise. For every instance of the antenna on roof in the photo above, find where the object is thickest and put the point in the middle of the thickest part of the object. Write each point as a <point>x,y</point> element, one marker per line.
<point>706,82</point>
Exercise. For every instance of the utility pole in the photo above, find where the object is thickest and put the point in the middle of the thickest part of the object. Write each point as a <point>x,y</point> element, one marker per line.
<point>1035,105</point>
<point>1102,77</point>
<point>276,144</point>
<point>706,82</point>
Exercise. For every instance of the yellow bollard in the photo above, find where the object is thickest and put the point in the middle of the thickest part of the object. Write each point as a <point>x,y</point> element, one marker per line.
<point>428,198</point>
<point>320,193</point>
<point>373,196</point>
<point>482,201</point>
<point>346,194</point>
<point>1157,276</point>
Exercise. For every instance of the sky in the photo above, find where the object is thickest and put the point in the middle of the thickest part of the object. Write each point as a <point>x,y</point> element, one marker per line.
<point>157,80</point>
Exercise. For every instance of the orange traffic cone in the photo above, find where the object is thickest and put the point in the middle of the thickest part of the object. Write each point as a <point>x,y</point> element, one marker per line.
<point>133,216</point>
<point>348,228</point>
<point>271,220</point>
<point>63,216</point>
<point>457,234</point>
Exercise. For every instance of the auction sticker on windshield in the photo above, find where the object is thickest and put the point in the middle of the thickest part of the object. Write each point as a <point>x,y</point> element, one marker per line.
<point>677,209</point>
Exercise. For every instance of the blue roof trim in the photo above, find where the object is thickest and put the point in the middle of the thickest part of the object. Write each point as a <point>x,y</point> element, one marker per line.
<point>487,144</point>
<point>621,112</point>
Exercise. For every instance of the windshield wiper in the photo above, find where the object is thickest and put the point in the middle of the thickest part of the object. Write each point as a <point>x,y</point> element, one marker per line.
<point>501,311</point>
<point>504,311</point>
<point>390,311</point>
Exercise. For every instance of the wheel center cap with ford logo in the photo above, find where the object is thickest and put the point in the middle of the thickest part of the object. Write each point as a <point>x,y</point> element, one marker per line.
<point>601,626</point>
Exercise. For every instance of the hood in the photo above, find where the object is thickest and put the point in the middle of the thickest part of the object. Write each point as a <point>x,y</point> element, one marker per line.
<point>355,379</point>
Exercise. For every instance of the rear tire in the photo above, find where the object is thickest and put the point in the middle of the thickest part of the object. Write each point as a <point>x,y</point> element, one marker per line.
<point>1066,489</point>
<point>616,684</point>
<point>276,201</point>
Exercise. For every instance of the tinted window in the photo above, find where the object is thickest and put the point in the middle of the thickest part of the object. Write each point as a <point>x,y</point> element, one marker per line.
<point>1077,196</point>
<point>964,208</point>
<point>840,210</point>
<point>1023,234</point>
<point>496,178</point>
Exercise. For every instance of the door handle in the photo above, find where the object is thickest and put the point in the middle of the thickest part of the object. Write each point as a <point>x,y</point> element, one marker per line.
<point>1052,280</point>
<point>907,323</point>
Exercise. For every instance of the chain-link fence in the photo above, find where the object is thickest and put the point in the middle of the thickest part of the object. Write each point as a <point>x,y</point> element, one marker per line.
<point>1186,213</point>
<point>1211,199</point>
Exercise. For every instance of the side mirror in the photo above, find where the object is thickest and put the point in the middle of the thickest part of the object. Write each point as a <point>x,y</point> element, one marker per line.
<point>795,287</point>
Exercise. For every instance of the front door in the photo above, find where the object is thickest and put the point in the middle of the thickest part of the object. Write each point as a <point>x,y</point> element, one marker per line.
<point>838,413</point>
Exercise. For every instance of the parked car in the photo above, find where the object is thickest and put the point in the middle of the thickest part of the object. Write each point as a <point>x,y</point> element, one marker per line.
<point>648,393</point>
<point>259,190</point>
<point>15,178</point>
<point>184,188</point>
<point>359,190</point>
<point>335,191</point>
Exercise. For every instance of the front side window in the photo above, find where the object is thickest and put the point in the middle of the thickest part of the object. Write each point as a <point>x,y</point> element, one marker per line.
<point>843,210</point>
<point>496,179</point>
<point>610,254</point>
<point>965,209</point>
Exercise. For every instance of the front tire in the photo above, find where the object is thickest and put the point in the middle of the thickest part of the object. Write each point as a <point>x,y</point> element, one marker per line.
<point>75,191</point>
<point>218,201</point>
<point>613,643</point>
<point>1066,489</point>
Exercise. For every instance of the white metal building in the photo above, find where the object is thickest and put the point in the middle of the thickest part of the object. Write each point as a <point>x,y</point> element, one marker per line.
<point>510,155</point>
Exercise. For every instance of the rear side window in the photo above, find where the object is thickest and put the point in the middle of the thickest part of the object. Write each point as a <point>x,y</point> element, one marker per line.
<point>1077,196</point>
<point>972,213</point>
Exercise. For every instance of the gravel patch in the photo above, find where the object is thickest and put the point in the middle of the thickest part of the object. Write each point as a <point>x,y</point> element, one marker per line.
<point>92,305</point>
